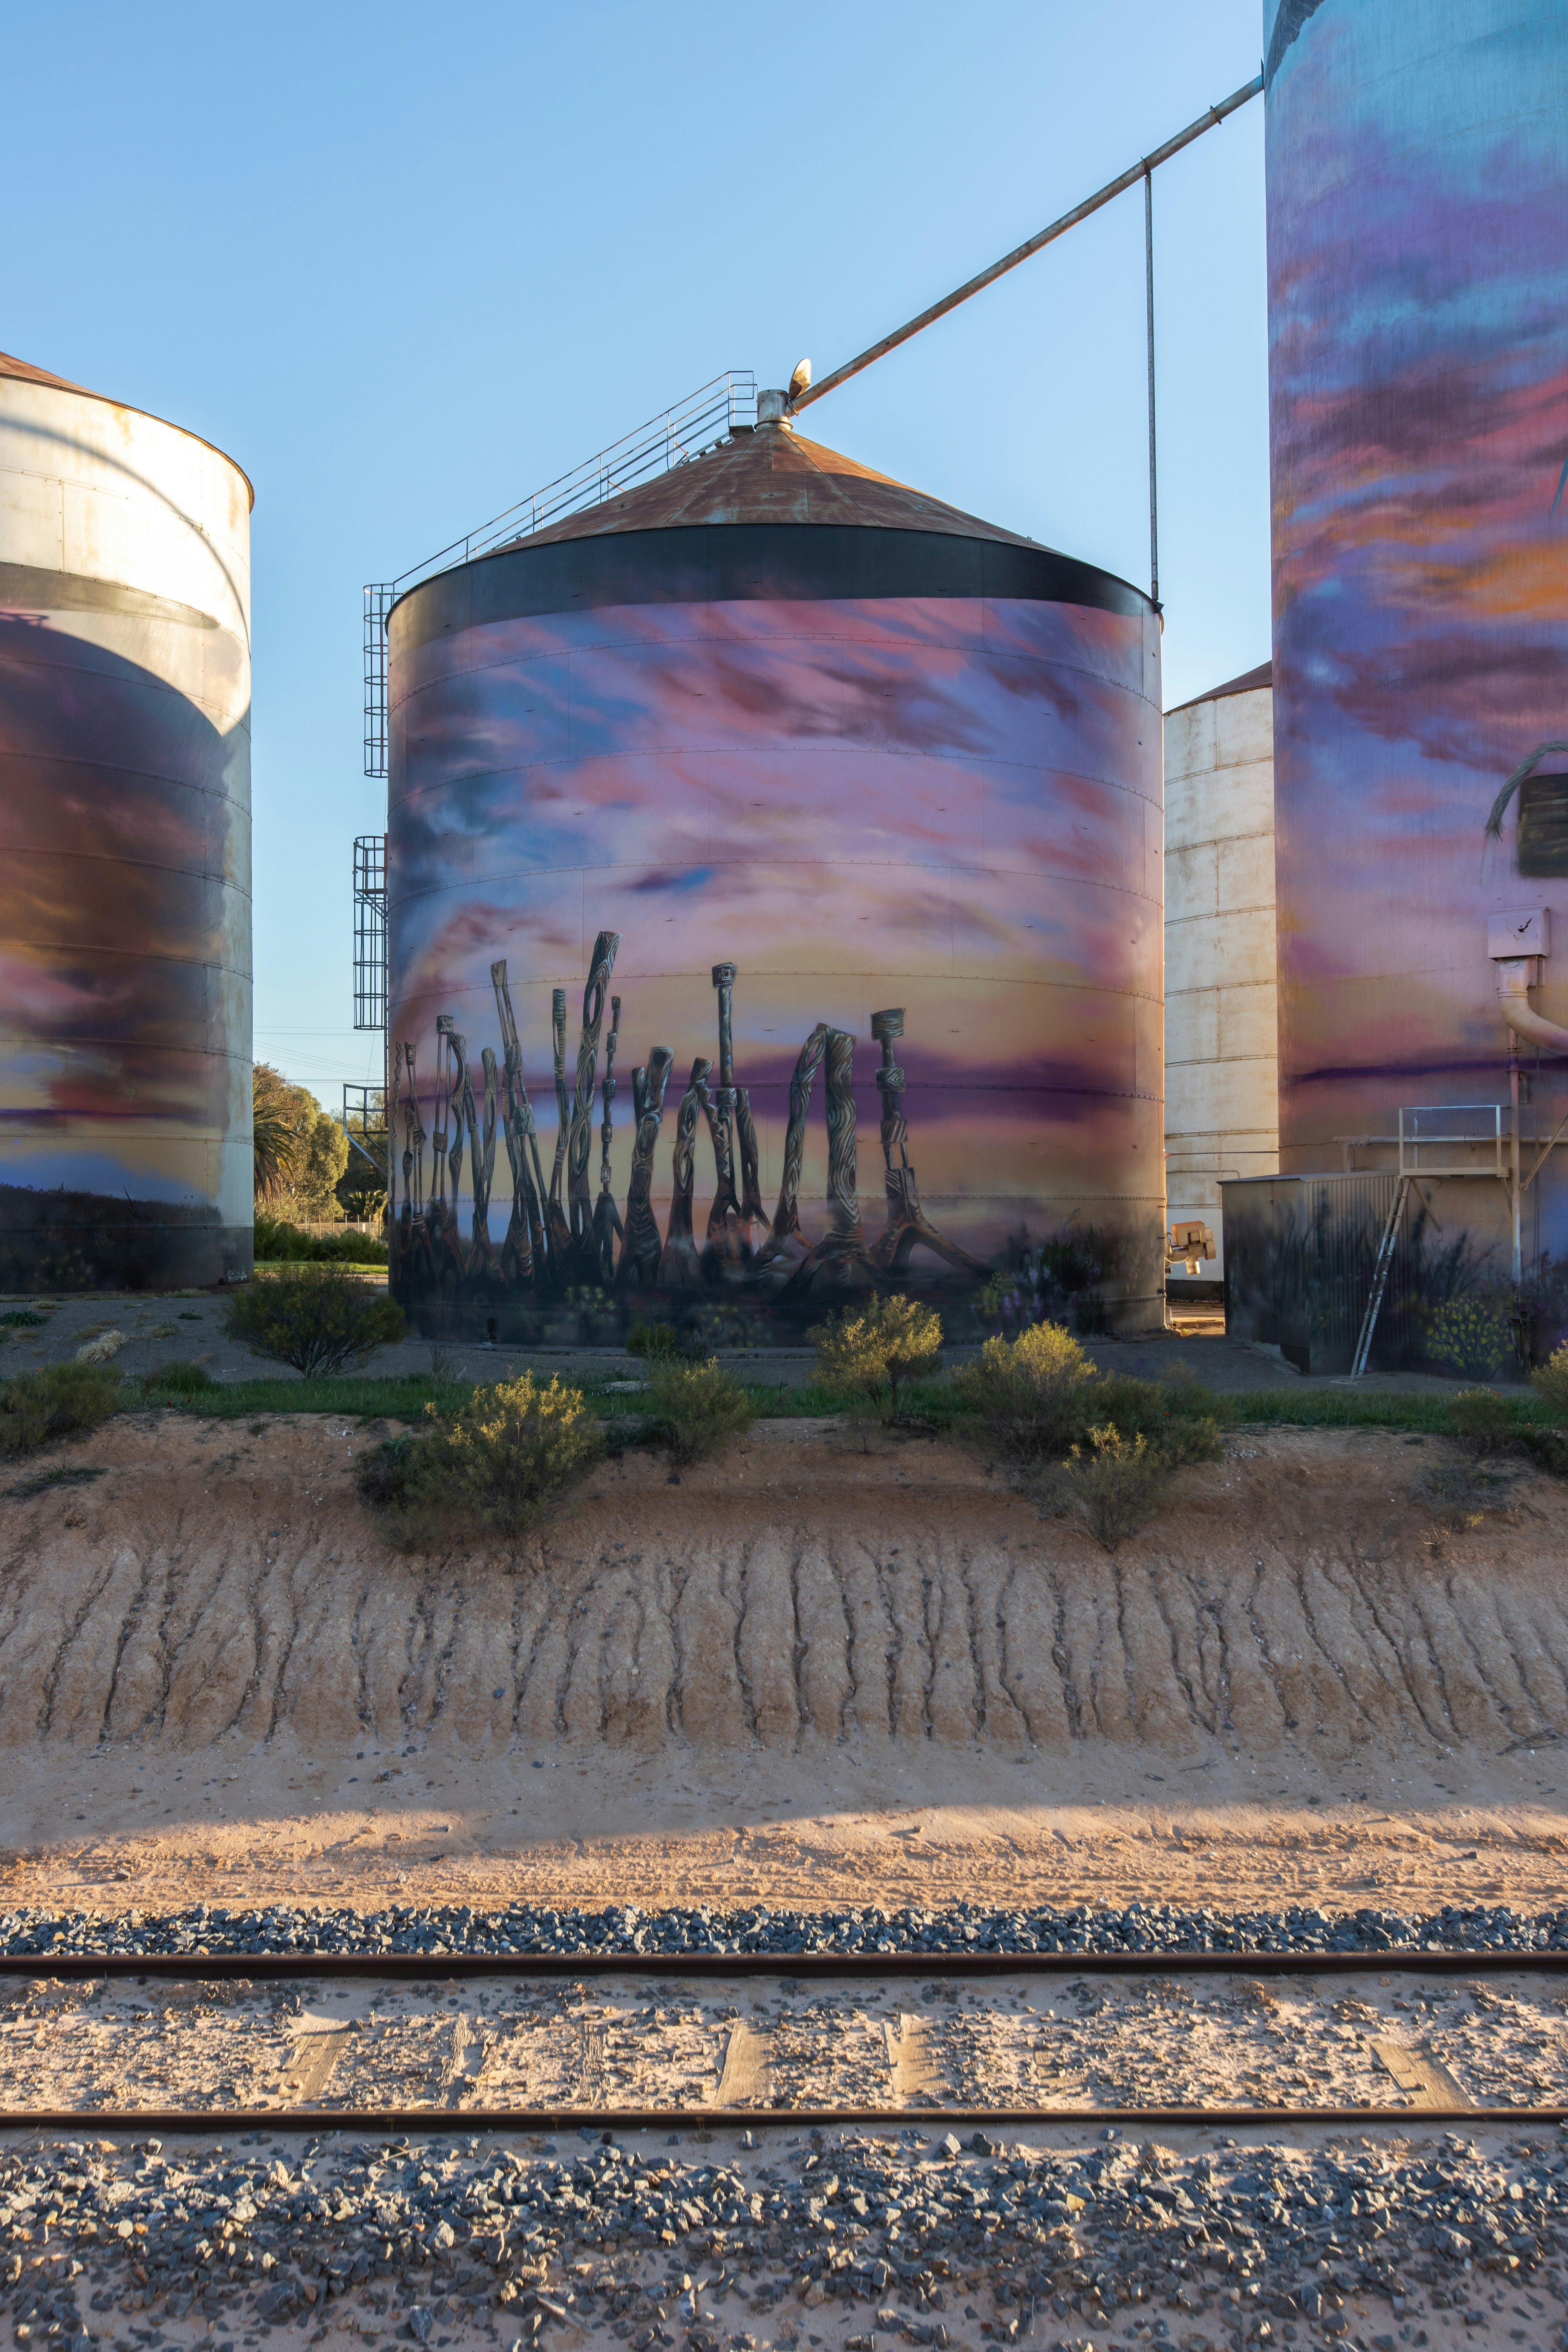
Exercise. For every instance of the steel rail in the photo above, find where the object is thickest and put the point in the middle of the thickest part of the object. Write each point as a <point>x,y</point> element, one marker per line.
<point>1207,120</point>
<point>229,2118</point>
<point>403,1967</point>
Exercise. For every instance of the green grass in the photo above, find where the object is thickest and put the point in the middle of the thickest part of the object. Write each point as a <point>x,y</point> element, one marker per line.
<point>364,1396</point>
<point>361,1396</point>
<point>1425,1411</point>
<point>266,1267</point>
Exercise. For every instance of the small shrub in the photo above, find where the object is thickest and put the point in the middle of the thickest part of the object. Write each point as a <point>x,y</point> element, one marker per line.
<point>697,1409</point>
<point>276,1242</point>
<point>317,1318</point>
<point>1177,1416</point>
<point>42,1482</point>
<point>22,1318</point>
<point>100,1347</point>
<point>1117,1483</point>
<point>1546,1446</point>
<point>60,1401</point>
<point>1460,1495</point>
<point>1550,1380</point>
<point>1473,1335</point>
<point>497,1466</point>
<point>660,1342</point>
<point>179,1378</point>
<point>1483,1422</point>
<point>1032,1395</point>
<point>876,1347</point>
<point>385,1478</point>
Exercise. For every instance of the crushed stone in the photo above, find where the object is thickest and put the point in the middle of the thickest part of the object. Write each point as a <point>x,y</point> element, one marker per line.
<point>447,1931</point>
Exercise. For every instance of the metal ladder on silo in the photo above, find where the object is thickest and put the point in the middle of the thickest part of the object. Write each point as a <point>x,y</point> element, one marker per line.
<point>1380,1278</point>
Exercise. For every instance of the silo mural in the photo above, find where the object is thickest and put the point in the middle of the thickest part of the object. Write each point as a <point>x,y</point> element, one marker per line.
<point>775,907</point>
<point>125,827</point>
<point>1418,187</point>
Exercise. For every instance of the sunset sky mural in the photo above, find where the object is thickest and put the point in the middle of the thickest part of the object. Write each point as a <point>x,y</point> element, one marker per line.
<point>949,805</point>
<point>1419,293</point>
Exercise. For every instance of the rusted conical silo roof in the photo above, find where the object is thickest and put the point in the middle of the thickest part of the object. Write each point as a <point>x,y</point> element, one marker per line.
<point>770,474</point>
<point>28,373</point>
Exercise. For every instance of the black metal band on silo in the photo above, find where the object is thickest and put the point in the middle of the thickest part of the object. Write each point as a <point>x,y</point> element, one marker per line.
<point>725,562</point>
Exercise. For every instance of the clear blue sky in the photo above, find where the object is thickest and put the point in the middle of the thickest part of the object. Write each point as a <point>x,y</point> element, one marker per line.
<point>406,264</point>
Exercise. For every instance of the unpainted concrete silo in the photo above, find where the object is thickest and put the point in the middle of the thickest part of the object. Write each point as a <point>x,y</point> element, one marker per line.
<point>1222,1096</point>
<point>828,807</point>
<point>125,1007</point>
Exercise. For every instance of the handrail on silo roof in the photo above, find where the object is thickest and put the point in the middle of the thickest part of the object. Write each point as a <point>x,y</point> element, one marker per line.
<point>687,429</point>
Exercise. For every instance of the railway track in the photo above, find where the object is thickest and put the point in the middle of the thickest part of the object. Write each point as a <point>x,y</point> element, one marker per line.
<point>537,2043</point>
<point>762,2150</point>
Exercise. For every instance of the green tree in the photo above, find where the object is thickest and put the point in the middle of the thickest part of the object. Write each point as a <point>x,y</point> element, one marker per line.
<point>299,1151</point>
<point>274,1127</point>
<point>324,1156</point>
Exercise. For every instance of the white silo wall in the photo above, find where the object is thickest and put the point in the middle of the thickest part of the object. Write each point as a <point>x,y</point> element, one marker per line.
<point>125,975</point>
<point>1222,1099</point>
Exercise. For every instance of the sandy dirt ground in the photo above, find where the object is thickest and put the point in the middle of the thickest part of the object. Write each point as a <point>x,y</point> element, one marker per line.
<point>151,1330</point>
<point>805,1674</point>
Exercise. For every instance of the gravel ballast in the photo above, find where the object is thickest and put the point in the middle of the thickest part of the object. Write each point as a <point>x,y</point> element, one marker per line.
<point>447,1931</point>
<point>652,2244</point>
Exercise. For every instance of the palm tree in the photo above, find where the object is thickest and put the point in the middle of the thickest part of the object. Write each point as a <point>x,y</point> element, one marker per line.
<point>275,1133</point>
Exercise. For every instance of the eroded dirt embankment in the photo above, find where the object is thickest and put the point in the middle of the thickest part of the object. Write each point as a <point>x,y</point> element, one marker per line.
<point>797,1665</point>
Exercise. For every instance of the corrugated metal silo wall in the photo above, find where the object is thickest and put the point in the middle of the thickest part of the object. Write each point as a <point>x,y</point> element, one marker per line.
<point>948,804</point>
<point>1418,193</point>
<point>1299,1259</point>
<point>125,1007</point>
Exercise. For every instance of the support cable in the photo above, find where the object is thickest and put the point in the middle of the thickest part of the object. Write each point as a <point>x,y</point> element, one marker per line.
<point>1149,300</point>
<point>1208,121</point>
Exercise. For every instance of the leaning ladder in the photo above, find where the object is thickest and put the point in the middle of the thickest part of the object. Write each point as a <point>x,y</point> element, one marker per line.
<point>1380,1278</point>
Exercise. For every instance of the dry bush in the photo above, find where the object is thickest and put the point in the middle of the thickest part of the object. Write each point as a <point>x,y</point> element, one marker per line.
<point>316,1318</point>
<point>1550,1380</point>
<point>178,1379</point>
<point>1459,1495</point>
<point>870,1351</point>
<point>1483,1422</point>
<point>497,1466</point>
<point>1032,1396</point>
<point>1472,1334</point>
<point>60,1401</point>
<point>696,1409</point>
<point>1177,1416</point>
<point>657,1341</point>
<point>1115,1484</point>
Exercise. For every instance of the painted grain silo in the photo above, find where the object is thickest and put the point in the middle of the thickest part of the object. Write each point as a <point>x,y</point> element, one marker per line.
<point>125,1022</point>
<point>1417,189</point>
<point>774,899</point>
<point>1222,1099</point>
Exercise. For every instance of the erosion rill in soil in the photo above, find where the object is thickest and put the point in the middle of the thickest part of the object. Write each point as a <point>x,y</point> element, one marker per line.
<point>805,1673</point>
<point>811,1699</point>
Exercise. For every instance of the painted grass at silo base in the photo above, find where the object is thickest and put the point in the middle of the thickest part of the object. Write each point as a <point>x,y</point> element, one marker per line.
<point>805,1672</point>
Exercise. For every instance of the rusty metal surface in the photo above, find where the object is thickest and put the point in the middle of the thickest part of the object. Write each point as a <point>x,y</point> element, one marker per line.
<point>620,2119</point>
<point>771,474</point>
<point>200,1967</point>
